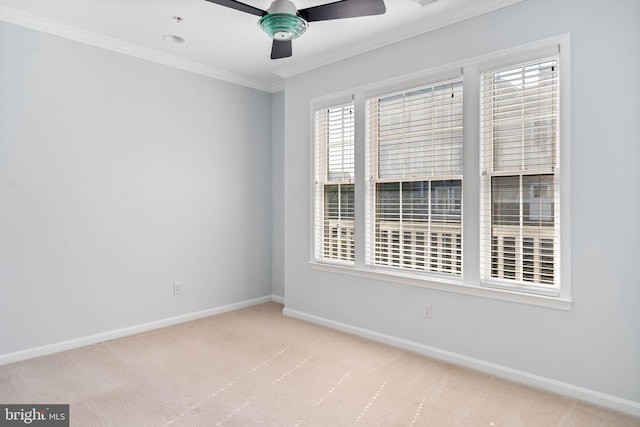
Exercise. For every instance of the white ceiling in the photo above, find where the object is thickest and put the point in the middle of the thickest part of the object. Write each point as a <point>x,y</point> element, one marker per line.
<point>228,44</point>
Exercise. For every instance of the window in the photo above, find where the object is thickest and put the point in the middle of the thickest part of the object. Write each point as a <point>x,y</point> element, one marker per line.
<point>414,166</point>
<point>418,185</point>
<point>520,184</point>
<point>334,181</point>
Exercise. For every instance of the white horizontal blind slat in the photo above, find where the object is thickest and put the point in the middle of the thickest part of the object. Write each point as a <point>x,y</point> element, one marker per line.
<point>414,165</point>
<point>520,185</point>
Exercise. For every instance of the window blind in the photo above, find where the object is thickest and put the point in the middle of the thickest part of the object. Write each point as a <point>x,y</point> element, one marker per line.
<point>414,165</point>
<point>334,183</point>
<point>520,183</point>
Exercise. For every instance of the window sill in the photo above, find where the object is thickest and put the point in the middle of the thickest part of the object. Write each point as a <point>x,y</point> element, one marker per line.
<point>448,285</point>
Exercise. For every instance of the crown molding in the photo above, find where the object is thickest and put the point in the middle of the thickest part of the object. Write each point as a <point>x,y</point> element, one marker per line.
<point>386,38</point>
<point>93,39</point>
<point>278,86</point>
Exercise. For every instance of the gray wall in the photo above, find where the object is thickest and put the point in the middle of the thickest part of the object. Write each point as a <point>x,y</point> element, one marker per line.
<point>118,177</point>
<point>596,345</point>
<point>277,253</point>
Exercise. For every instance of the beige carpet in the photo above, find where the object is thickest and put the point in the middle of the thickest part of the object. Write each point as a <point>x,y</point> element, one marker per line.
<point>255,367</point>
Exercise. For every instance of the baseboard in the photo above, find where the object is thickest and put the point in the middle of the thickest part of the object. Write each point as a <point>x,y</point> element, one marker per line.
<point>536,381</point>
<point>119,333</point>
<point>278,299</point>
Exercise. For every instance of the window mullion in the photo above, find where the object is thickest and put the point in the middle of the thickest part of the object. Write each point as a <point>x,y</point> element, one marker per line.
<point>520,240</point>
<point>360,187</point>
<point>471,199</point>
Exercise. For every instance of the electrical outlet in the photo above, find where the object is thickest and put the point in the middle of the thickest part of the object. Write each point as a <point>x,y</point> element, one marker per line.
<point>177,288</point>
<point>427,311</point>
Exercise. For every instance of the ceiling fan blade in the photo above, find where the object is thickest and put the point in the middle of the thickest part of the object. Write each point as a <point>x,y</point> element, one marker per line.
<point>281,49</point>
<point>239,6</point>
<point>343,9</point>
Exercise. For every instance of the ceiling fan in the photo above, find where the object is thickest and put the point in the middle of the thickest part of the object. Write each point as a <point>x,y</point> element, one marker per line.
<point>283,22</point>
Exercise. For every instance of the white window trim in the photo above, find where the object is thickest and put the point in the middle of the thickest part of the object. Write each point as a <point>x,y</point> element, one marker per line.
<point>320,183</point>
<point>469,283</point>
<point>373,178</point>
<point>486,199</point>
<point>319,104</point>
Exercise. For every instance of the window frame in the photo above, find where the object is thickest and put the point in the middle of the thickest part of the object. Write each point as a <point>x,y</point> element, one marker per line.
<point>470,283</point>
<point>491,174</point>
<point>321,180</point>
<point>393,248</point>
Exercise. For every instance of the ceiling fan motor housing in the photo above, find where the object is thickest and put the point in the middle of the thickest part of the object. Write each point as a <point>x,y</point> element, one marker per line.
<point>282,21</point>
